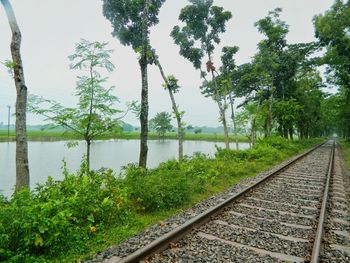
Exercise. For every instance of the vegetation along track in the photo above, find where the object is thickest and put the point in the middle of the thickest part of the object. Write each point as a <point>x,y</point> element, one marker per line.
<point>279,219</point>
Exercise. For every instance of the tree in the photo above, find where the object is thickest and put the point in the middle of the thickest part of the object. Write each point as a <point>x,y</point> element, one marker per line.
<point>131,20</point>
<point>228,82</point>
<point>332,30</point>
<point>22,167</point>
<point>248,121</point>
<point>309,96</point>
<point>161,123</point>
<point>267,60</point>
<point>197,131</point>
<point>172,86</point>
<point>95,114</point>
<point>197,38</point>
<point>288,112</point>
<point>189,127</point>
<point>271,79</point>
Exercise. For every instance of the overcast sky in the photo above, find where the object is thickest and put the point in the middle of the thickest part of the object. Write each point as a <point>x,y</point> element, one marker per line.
<point>51,28</point>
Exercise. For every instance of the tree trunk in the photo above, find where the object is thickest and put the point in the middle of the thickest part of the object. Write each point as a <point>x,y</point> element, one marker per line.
<point>234,121</point>
<point>222,109</point>
<point>266,126</point>
<point>175,109</point>
<point>144,117</point>
<point>224,123</point>
<point>253,131</point>
<point>291,132</point>
<point>144,91</point>
<point>268,121</point>
<point>88,145</point>
<point>22,167</point>
<point>285,131</point>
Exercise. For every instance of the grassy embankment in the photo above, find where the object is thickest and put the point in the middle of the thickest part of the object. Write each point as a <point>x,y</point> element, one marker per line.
<point>345,147</point>
<point>48,135</point>
<point>74,219</point>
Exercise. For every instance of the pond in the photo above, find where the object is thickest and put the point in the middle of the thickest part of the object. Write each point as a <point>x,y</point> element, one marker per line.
<point>46,158</point>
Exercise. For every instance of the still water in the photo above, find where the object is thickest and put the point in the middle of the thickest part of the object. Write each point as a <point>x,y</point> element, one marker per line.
<point>45,158</point>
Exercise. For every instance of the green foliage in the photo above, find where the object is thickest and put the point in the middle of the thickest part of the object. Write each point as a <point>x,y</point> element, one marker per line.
<point>173,84</point>
<point>345,150</point>
<point>158,189</point>
<point>95,113</point>
<point>332,30</point>
<point>287,112</point>
<point>135,108</point>
<point>203,25</point>
<point>59,215</point>
<point>264,150</point>
<point>198,131</point>
<point>10,65</point>
<point>161,123</point>
<point>126,19</point>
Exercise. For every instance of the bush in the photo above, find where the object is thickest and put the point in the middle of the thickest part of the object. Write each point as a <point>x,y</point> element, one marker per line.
<point>58,215</point>
<point>157,189</point>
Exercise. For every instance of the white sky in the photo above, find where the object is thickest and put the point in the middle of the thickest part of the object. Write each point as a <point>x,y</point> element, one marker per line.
<point>50,29</point>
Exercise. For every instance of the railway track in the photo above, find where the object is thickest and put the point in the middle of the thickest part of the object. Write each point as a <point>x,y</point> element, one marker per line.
<point>300,213</point>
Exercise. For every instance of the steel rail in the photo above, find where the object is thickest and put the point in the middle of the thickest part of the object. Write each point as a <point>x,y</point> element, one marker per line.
<point>320,228</point>
<point>176,234</point>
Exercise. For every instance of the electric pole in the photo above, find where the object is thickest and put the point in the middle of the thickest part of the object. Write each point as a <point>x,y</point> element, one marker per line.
<point>8,121</point>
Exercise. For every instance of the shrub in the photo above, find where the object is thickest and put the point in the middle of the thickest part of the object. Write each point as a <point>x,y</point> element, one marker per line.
<point>157,189</point>
<point>58,215</point>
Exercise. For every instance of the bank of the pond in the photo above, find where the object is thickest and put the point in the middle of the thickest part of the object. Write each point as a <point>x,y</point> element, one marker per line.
<point>74,219</point>
<point>47,135</point>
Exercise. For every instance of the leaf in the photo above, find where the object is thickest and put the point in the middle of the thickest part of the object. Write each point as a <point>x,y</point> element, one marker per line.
<point>91,218</point>
<point>42,229</point>
<point>105,201</point>
<point>71,144</point>
<point>38,241</point>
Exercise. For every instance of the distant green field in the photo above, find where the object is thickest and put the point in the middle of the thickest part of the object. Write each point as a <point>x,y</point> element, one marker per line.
<point>59,135</point>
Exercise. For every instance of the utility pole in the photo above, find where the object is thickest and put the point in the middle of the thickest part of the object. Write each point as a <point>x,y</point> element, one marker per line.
<point>8,121</point>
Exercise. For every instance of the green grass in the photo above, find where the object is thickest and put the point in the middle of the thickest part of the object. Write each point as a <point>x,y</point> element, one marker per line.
<point>144,197</point>
<point>47,135</point>
<point>345,147</point>
<point>112,236</point>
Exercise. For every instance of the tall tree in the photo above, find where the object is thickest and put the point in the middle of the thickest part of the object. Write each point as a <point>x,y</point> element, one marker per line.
<point>22,167</point>
<point>301,109</point>
<point>248,120</point>
<point>95,114</point>
<point>228,76</point>
<point>172,86</point>
<point>197,38</point>
<point>333,31</point>
<point>131,20</point>
<point>267,60</point>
